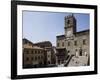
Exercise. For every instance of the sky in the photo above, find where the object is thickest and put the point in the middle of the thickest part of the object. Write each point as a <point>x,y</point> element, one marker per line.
<point>45,26</point>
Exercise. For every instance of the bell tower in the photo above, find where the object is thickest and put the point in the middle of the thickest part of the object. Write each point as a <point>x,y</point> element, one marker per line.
<point>70,25</point>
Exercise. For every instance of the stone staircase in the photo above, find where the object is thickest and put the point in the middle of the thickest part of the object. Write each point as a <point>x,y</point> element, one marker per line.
<point>78,61</point>
<point>68,60</point>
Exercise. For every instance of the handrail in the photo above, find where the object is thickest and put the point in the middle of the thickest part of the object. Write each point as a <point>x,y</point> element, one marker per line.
<point>70,57</point>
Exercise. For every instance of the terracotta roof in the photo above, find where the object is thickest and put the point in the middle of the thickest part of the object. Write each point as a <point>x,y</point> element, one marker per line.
<point>31,47</point>
<point>26,40</point>
<point>43,42</point>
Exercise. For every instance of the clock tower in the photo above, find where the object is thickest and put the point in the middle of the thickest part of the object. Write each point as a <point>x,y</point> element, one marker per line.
<point>70,26</point>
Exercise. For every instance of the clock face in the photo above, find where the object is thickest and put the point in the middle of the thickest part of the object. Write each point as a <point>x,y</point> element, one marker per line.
<point>68,33</point>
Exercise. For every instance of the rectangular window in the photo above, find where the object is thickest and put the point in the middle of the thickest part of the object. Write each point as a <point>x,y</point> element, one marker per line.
<point>32,52</point>
<point>32,58</point>
<point>84,41</point>
<point>75,43</point>
<point>68,43</point>
<point>35,51</point>
<point>38,52</point>
<point>58,44</point>
<point>63,44</point>
<point>35,58</point>
<point>41,57</point>
<point>27,59</point>
<point>27,51</point>
<point>38,57</point>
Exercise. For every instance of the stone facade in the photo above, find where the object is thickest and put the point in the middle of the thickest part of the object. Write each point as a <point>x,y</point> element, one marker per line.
<point>75,43</point>
<point>47,45</point>
<point>32,54</point>
<point>37,54</point>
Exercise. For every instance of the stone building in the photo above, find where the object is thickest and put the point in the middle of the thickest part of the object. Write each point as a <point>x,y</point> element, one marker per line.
<point>33,56</point>
<point>37,54</point>
<point>47,45</point>
<point>72,43</point>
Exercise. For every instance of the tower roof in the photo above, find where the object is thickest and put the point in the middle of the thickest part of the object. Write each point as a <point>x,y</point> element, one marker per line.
<point>70,16</point>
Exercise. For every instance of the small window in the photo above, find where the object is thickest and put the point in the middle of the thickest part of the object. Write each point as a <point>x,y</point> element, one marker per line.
<point>35,58</point>
<point>68,51</point>
<point>58,44</point>
<point>76,50</point>
<point>62,43</point>
<point>38,57</point>
<point>68,43</point>
<point>84,42</point>
<point>27,59</point>
<point>48,56</point>
<point>32,58</point>
<point>75,43</point>
<point>35,51</point>
<point>27,51</point>
<point>38,52</point>
<point>32,52</point>
<point>41,57</point>
<point>68,21</point>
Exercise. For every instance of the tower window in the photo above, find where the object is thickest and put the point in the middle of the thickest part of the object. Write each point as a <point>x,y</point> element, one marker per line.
<point>68,21</point>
